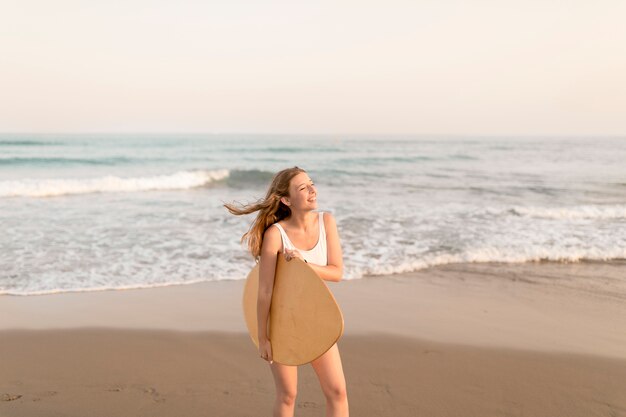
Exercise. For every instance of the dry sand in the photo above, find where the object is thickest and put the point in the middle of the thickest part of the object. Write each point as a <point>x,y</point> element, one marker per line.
<point>458,340</point>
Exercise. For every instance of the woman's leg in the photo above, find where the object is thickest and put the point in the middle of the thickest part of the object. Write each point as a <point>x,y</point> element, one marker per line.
<point>286,380</point>
<point>330,373</point>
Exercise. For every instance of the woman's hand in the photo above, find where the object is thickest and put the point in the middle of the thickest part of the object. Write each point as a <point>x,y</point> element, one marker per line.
<point>292,253</point>
<point>265,350</point>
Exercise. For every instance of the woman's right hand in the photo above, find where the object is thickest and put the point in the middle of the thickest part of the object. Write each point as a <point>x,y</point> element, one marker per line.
<point>292,253</point>
<point>265,350</point>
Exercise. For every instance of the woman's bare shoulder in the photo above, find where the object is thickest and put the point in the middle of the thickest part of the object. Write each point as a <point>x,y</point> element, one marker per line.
<point>271,232</point>
<point>329,219</point>
<point>272,239</point>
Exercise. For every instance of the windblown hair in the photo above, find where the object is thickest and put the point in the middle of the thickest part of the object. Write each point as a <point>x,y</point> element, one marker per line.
<point>271,209</point>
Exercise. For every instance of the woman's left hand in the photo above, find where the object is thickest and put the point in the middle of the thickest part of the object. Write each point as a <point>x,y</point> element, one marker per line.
<point>292,253</point>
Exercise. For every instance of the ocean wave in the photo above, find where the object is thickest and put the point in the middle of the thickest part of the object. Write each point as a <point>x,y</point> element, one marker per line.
<point>459,156</point>
<point>109,184</point>
<point>27,142</point>
<point>482,256</point>
<point>283,149</point>
<point>583,212</point>
<point>62,161</point>
<point>242,178</point>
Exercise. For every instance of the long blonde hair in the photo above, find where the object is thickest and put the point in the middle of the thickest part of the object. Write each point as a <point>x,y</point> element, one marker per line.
<point>271,209</point>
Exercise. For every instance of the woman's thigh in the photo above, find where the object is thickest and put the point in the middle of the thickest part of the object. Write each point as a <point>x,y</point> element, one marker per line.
<point>285,378</point>
<point>330,371</point>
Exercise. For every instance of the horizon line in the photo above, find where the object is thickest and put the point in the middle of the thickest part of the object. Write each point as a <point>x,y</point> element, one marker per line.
<point>232,133</point>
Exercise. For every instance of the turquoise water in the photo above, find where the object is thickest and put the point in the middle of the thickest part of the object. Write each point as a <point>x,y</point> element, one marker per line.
<point>97,212</point>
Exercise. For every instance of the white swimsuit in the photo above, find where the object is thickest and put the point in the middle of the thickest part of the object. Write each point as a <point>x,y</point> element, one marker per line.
<point>318,255</point>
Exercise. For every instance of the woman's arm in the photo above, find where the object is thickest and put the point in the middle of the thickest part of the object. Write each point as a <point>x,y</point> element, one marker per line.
<point>334,270</point>
<point>267,268</point>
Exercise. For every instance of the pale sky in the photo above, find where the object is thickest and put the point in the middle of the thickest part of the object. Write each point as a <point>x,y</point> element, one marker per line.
<point>528,67</point>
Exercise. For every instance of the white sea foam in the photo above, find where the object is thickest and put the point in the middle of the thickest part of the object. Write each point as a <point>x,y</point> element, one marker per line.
<point>109,184</point>
<point>484,255</point>
<point>119,287</point>
<point>588,211</point>
<point>353,271</point>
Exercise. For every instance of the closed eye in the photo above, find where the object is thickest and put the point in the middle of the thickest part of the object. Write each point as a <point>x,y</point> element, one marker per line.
<point>312,183</point>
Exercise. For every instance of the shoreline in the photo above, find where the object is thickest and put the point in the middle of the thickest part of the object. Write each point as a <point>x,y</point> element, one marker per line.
<point>550,307</point>
<point>462,339</point>
<point>613,263</point>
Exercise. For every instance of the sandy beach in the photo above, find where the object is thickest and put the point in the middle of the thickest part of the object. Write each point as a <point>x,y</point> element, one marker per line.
<point>456,340</point>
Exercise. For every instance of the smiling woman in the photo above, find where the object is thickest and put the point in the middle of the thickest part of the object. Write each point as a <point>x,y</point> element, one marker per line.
<point>289,205</point>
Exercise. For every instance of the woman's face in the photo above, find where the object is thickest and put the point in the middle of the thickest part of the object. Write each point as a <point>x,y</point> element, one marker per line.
<point>302,193</point>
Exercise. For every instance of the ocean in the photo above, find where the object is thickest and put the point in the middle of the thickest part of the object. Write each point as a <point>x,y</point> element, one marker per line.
<point>113,212</point>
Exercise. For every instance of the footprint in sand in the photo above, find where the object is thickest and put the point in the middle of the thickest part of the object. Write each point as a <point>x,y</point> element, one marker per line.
<point>10,397</point>
<point>156,396</point>
<point>44,394</point>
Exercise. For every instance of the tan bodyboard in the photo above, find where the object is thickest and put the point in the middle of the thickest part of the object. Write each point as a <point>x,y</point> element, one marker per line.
<point>304,321</point>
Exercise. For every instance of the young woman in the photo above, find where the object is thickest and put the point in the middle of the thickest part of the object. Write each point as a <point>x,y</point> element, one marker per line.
<point>287,224</point>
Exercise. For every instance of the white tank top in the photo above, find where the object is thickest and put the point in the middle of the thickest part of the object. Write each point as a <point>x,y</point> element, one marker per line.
<point>318,255</point>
